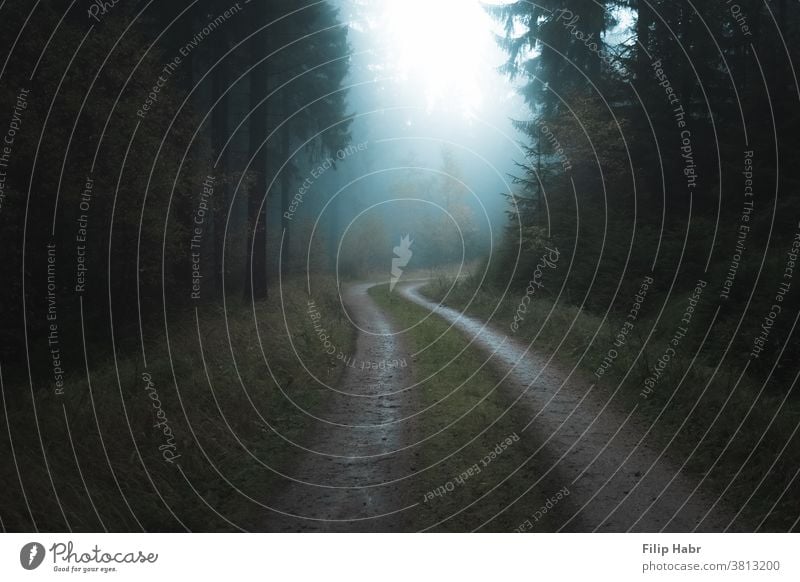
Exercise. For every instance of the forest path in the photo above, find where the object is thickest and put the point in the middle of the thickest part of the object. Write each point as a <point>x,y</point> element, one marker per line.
<point>355,474</point>
<point>617,482</point>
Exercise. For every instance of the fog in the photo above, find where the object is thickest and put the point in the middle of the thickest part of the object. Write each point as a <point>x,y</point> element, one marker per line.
<point>412,107</point>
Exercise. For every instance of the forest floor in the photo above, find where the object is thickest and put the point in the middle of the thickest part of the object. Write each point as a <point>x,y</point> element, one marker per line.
<point>420,420</point>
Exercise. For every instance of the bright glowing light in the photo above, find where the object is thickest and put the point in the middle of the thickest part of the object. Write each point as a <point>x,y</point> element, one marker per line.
<point>442,49</point>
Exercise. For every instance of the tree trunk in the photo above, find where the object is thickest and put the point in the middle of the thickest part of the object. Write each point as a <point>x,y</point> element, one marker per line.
<point>256,284</point>
<point>644,19</point>
<point>219,134</point>
<point>286,184</point>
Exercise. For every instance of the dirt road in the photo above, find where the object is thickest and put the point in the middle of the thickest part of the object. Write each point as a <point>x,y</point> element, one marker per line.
<point>355,474</point>
<point>616,481</point>
<point>364,468</point>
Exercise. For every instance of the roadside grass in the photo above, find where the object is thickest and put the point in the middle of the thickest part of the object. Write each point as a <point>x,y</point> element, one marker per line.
<point>454,383</point>
<point>226,406</point>
<point>737,437</point>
